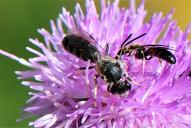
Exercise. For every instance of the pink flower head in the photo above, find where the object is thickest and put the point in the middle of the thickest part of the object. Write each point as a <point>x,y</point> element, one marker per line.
<point>64,96</point>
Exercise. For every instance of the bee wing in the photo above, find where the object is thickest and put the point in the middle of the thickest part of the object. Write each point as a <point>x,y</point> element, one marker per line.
<point>87,36</point>
<point>158,46</point>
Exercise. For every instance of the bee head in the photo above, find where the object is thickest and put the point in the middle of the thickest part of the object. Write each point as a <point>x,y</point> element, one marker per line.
<point>119,87</point>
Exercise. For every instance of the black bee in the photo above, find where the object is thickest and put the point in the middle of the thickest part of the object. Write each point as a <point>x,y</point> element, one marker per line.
<point>147,52</point>
<point>110,69</point>
<point>81,47</point>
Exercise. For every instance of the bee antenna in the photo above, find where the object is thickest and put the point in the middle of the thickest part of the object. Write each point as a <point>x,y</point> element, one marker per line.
<point>126,40</point>
<point>134,39</point>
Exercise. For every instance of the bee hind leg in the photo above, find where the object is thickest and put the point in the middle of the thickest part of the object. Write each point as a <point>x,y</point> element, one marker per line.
<point>95,88</point>
<point>143,67</point>
<point>160,60</point>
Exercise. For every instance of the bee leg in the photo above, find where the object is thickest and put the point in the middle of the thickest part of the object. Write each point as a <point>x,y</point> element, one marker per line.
<point>143,67</point>
<point>88,88</point>
<point>117,57</point>
<point>107,49</point>
<point>109,87</point>
<point>160,60</point>
<point>95,88</point>
<point>84,68</point>
<point>131,80</point>
<point>123,52</point>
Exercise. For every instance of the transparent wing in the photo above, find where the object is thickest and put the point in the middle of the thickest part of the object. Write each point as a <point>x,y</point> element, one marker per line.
<point>157,46</point>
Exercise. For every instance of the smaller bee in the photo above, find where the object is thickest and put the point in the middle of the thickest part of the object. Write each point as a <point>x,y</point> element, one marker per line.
<point>147,52</point>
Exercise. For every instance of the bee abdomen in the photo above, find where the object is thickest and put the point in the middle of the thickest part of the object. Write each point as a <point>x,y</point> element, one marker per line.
<point>81,48</point>
<point>162,53</point>
<point>168,56</point>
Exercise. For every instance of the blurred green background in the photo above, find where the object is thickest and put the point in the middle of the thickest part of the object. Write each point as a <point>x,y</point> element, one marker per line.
<point>19,20</point>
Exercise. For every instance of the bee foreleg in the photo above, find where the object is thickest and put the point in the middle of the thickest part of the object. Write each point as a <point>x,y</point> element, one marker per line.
<point>109,88</point>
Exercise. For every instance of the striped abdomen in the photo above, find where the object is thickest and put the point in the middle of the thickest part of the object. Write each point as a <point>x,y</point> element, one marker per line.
<point>81,48</point>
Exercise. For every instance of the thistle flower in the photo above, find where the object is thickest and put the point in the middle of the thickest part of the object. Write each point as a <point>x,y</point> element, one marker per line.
<point>62,97</point>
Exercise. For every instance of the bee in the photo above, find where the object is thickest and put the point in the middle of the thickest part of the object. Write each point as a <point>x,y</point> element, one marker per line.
<point>147,52</point>
<point>109,69</point>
